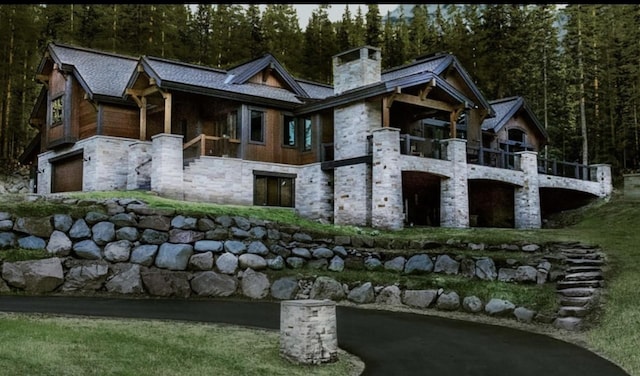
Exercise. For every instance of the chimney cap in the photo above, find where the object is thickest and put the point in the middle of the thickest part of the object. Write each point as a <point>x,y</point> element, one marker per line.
<point>378,49</point>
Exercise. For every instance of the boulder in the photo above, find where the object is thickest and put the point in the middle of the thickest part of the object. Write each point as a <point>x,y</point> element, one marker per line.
<point>125,279</point>
<point>201,261</point>
<point>166,283</point>
<point>173,256</point>
<point>144,254</point>
<point>255,285</point>
<point>118,251</point>
<point>37,226</point>
<point>227,263</point>
<point>210,283</point>
<point>284,288</point>
<point>88,276</point>
<point>362,294</point>
<point>447,265</point>
<point>449,301</point>
<point>59,244</point>
<point>499,307</point>
<point>389,295</point>
<point>419,298</point>
<point>327,288</point>
<point>252,261</point>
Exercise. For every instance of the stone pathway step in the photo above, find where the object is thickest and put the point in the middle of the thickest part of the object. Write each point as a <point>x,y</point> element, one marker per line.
<point>573,311</point>
<point>594,256</point>
<point>579,269</point>
<point>563,285</point>
<point>577,301</point>
<point>583,262</point>
<point>578,291</point>
<point>583,276</point>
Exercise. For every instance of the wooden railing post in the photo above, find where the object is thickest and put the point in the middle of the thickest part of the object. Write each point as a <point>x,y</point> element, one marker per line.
<point>203,145</point>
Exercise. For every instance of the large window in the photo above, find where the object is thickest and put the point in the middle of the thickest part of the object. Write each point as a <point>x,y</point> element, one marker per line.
<point>308,131</point>
<point>289,131</point>
<point>257,126</point>
<point>271,189</point>
<point>57,110</point>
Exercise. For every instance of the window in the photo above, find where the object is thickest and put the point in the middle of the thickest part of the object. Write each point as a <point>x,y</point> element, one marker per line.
<point>57,113</point>
<point>257,126</point>
<point>289,131</point>
<point>232,125</point>
<point>273,189</point>
<point>307,133</point>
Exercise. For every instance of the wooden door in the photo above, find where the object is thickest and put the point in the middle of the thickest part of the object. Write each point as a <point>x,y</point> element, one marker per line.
<point>67,174</point>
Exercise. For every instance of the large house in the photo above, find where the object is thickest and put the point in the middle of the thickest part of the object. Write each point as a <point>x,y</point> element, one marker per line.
<point>418,144</point>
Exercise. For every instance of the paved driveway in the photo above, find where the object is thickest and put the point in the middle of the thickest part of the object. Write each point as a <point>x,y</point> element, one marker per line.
<point>390,343</point>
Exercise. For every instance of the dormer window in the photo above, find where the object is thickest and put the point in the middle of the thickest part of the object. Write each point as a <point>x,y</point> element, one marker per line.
<point>57,113</point>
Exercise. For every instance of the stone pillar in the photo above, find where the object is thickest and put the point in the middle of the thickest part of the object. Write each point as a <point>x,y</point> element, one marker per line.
<point>167,176</point>
<point>308,331</point>
<point>352,183</point>
<point>386,177</point>
<point>603,176</point>
<point>527,198</point>
<point>44,171</point>
<point>454,191</point>
<point>139,166</point>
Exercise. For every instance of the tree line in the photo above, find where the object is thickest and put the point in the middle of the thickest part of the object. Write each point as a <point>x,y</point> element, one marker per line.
<point>581,79</point>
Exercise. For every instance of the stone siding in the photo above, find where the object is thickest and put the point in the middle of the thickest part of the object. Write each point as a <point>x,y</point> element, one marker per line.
<point>386,206</point>
<point>167,166</point>
<point>105,167</point>
<point>231,181</point>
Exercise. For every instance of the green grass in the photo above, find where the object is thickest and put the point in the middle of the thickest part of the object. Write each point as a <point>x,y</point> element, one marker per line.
<point>64,346</point>
<point>613,225</point>
<point>19,254</point>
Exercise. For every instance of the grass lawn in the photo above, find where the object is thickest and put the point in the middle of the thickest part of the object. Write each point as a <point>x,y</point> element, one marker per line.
<point>613,225</point>
<point>68,346</point>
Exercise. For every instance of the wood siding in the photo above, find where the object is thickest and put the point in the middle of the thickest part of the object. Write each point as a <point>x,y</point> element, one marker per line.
<point>271,80</point>
<point>120,121</point>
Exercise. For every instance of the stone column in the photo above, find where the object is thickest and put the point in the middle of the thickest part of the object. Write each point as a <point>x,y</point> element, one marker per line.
<point>352,182</point>
<point>527,198</point>
<point>308,331</point>
<point>454,191</point>
<point>603,176</point>
<point>139,166</point>
<point>44,171</point>
<point>386,176</point>
<point>167,176</point>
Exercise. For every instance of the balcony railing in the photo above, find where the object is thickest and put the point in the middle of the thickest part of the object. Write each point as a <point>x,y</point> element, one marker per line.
<point>422,147</point>
<point>432,148</point>
<point>203,145</point>
<point>565,169</point>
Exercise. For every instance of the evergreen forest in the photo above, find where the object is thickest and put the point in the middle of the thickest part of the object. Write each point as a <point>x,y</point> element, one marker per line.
<point>578,66</point>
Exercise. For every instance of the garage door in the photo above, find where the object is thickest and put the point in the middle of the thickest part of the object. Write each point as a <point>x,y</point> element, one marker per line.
<point>67,174</point>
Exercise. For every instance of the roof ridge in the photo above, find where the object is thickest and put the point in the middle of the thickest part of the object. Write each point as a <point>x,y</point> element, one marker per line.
<point>429,57</point>
<point>178,62</point>
<point>94,51</point>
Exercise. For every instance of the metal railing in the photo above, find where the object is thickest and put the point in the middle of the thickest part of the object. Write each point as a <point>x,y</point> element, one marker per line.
<point>422,147</point>
<point>565,169</point>
<point>492,158</point>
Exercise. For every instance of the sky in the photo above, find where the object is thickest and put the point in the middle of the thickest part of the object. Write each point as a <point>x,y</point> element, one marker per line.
<point>336,10</point>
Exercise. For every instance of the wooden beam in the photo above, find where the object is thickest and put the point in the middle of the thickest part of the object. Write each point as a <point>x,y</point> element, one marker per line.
<point>143,118</point>
<point>143,92</point>
<point>453,117</point>
<point>167,112</point>
<point>429,103</point>
<point>386,109</point>
<point>425,92</point>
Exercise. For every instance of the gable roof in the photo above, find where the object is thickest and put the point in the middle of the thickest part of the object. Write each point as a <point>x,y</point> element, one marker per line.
<point>234,84</point>
<point>437,64</point>
<point>101,74</point>
<point>505,109</point>
<point>244,72</point>
<point>416,73</point>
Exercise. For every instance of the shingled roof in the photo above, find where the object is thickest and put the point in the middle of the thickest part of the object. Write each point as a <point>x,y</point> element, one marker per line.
<point>101,74</point>
<point>505,109</point>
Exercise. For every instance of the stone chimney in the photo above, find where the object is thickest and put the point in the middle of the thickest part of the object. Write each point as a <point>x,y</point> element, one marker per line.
<point>356,68</point>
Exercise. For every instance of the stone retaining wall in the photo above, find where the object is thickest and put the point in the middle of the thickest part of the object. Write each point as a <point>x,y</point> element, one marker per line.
<point>131,249</point>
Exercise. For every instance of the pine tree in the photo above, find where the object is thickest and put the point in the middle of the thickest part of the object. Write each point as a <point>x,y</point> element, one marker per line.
<point>374,26</point>
<point>320,46</point>
<point>282,35</point>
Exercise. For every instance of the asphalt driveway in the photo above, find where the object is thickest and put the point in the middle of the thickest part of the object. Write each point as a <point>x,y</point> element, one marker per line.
<point>390,343</point>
